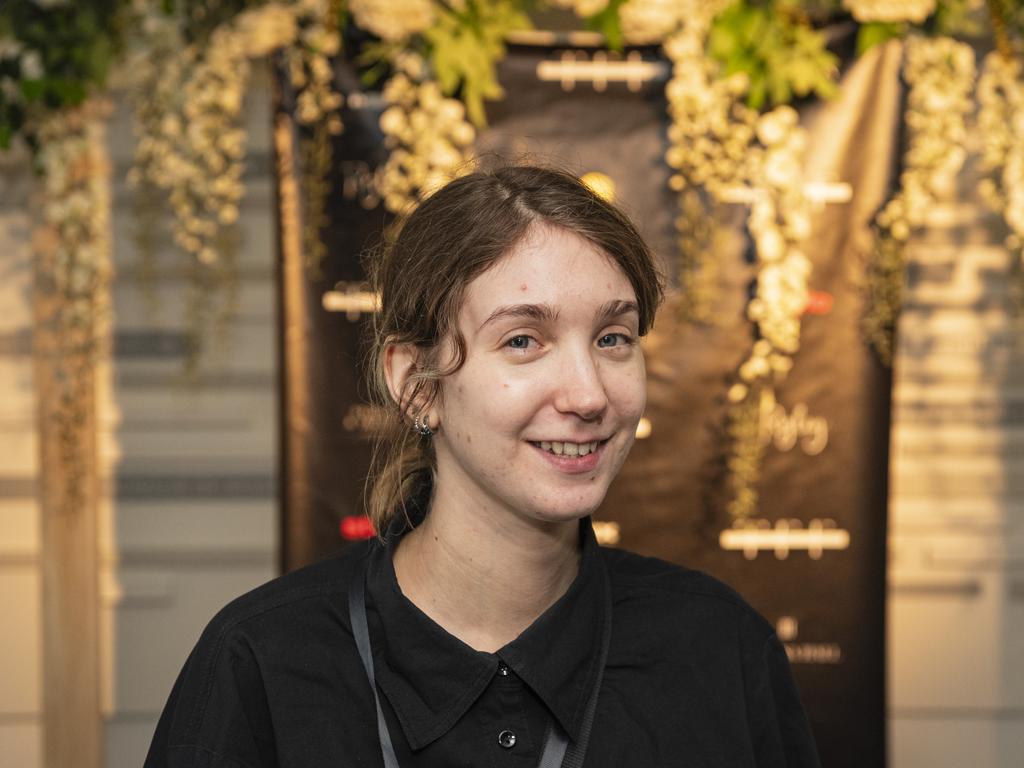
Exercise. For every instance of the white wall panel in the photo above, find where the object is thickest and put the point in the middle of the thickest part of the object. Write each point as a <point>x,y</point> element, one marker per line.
<point>195,508</point>
<point>20,582</point>
<point>21,744</point>
<point>956,646</point>
<point>19,529</point>
<point>127,740</point>
<point>186,526</point>
<point>161,615</point>
<point>20,641</point>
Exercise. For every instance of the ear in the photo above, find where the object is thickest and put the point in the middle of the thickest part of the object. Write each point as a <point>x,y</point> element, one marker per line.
<point>399,363</point>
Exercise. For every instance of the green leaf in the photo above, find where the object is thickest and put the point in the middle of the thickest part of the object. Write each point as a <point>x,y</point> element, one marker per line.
<point>99,57</point>
<point>782,56</point>
<point>67,91</point>
<point>33,90</point>
<point>958,18</point>
<point>878,32</point>
<point>374,60</point>
<point>465,46</point>
<point>606,21</point>
<point>757,96</point>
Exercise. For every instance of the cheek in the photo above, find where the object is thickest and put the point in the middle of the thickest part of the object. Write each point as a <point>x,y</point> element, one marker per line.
<point>514,400</point>
<point>628,390</point>
<point>483,401</point>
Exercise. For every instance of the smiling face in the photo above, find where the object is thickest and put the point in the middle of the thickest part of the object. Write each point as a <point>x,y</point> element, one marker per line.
<point>540,417</point>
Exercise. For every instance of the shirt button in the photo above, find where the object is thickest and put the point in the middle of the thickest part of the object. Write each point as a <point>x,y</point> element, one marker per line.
<point>507,739</point>
<point>503,669</point>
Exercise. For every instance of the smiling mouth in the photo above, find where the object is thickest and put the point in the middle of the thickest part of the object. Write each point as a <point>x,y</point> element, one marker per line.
<point>569,449</point>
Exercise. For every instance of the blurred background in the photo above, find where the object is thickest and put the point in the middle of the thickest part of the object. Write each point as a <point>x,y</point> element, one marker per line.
<point>834,189</point>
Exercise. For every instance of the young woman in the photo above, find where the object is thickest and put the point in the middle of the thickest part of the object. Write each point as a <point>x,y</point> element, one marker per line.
<point>486,627</point>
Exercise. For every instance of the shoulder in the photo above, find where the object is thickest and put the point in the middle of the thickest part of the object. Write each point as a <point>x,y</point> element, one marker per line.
<point>303,605</point>
<point>647,589</point>
<point>221,683</point>
<point>274,604</point>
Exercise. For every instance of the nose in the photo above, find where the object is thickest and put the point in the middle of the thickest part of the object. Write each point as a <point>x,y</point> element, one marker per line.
<point>581,389</point>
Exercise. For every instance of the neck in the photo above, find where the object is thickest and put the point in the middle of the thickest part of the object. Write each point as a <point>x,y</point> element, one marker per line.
<point>485,578</point>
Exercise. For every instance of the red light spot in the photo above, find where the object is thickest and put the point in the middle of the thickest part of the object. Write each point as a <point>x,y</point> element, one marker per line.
<point>356,528</point>
<point>819,303</point>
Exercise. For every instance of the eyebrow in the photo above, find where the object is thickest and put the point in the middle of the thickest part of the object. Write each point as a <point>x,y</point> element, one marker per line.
<point>539,312</point>
<point>617,308</point>
<point>546,313</point>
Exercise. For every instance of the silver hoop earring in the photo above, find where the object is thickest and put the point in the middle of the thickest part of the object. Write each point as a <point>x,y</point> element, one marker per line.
<point>421,425</point>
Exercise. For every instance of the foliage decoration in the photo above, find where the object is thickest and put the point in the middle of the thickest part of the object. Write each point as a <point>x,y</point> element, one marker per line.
<point>465,45</point>
<point>53,54</point>
<point>308,64</point>
<point>427,133</point>
<point>54,59</point>
<point>188,100</point>
<point>393,21</point>
<point>600,16</point>
<point>877,32</point>
<point>737,65</point>
<point>940,76</point>
<point>709,131</point>
<point>779,222</point>
<point>724,146</point>
<point>651,21</point>
<point>780,53</point>
<point>1001,119</point>
<point>890,11</point>
<point>588,9</point>
<point>959,18</point>
<point>71,244</point>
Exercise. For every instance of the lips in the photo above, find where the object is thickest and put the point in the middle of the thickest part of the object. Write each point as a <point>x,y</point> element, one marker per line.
<point>565,448</point>
<point>568,462</point>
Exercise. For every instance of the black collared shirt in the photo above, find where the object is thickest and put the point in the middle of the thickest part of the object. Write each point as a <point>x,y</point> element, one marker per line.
<point>694,677</point>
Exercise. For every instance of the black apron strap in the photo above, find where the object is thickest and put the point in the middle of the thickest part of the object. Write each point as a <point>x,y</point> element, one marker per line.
<point>557,753</point>
<point>576,752</point>
<point>555,743</point>
<point>361,632</point>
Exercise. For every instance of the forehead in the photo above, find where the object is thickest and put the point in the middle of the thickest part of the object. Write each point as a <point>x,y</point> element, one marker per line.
<point>548,265</point>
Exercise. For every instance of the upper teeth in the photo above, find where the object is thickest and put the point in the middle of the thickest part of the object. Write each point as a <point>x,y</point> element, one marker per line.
<point>569,449</point>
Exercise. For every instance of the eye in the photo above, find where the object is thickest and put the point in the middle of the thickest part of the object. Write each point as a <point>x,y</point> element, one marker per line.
<point>522,341</point>
<point>614,340</point>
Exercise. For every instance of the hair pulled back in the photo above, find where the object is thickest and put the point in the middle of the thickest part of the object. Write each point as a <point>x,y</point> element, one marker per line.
<point>421,275</point>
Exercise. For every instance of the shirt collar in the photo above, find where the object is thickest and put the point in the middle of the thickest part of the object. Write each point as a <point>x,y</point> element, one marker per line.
<point>431,678</point>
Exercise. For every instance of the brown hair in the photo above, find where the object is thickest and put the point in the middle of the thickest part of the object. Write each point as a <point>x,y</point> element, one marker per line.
<point>421,276</point>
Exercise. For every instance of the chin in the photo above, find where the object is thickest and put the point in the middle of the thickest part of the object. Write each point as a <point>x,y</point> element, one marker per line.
<point>561,512</point>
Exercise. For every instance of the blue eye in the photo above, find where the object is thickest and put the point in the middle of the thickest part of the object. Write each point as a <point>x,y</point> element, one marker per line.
<point>621,338</point>
<point>518,342</point>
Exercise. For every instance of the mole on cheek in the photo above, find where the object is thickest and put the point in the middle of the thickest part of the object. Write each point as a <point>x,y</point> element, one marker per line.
<point>523,287</point>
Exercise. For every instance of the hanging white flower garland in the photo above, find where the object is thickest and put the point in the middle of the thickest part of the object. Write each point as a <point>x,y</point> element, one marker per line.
<point>393,20</point>
<point>189,99</point>
<point>728,149</point>
<point>940,76</point>
<point>1001,121</point>
<point>429,138</point>
<point>73,275</point>
<point>890,11</point>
